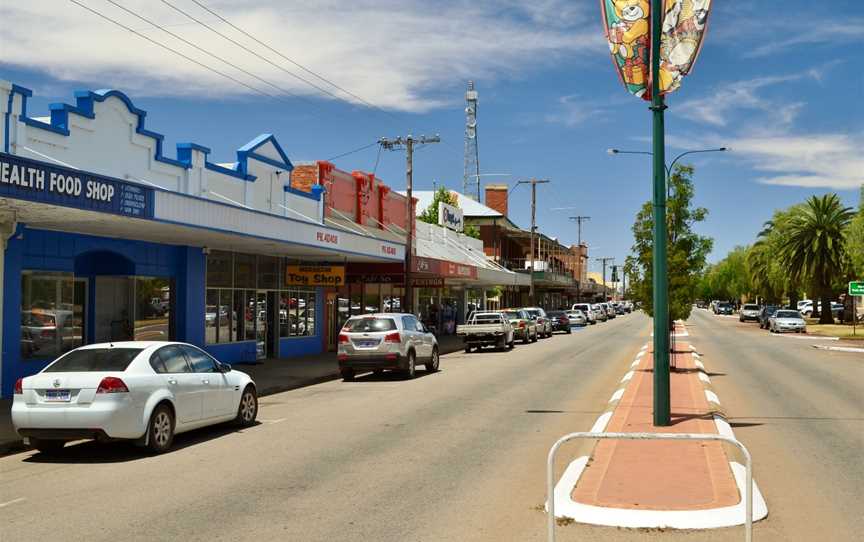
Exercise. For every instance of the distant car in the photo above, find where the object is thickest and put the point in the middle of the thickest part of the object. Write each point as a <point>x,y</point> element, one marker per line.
<point>375,342</point>
<point>749,312</point>
<point>724,308</point>
<point>487,328</point>
<point>586,310</point>
<point>807,308</point>
<point>619,309</point>
<point>787,320</point>
<point>765,314</point>
<point>544,326</point>
<point>524,327</point>
<point>141,391</point>
<point>599,312</point>
<point>560,321</point>
<point>577,318</point>
<point>610,312</point>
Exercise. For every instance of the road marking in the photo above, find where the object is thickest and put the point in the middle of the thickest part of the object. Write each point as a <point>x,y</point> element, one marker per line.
<point>617,395</point>
<point>712,397</point>
<point>837,348</point>
<point>704,378</point>
<point>699,364</point>
<point>602,421</point>
<point>644,348</point>
<point>627,377</point>
<point>13,501</point>
<point>805,337</point>
<point>640,354</point>
<point>280,420</point>
<point>635,364</point>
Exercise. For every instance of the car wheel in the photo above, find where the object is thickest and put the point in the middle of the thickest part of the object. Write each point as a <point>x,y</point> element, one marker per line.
<point>526,339</point>
<point>347,374</point>
<point>432,366</point>
<point>536,338</point>
<point>511,344</point>
<point>47,447</point>
<point>467,349</point>
<point>160,430</point>
<point>411,370</point>
<point>569,331</point>
<point>247,411</point>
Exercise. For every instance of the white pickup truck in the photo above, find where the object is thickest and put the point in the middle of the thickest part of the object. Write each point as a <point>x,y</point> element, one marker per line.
<point>486,329</point>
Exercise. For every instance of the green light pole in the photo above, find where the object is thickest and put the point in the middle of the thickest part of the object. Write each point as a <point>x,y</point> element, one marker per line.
<point>662,406</point>
<point>613,152</point>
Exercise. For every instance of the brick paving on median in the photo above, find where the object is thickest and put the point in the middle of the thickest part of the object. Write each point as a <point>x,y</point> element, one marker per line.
<point>660,475</point>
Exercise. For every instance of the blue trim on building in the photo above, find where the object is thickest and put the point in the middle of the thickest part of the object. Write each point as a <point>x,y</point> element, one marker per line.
<point>314,195</point>
<point>248,151</point>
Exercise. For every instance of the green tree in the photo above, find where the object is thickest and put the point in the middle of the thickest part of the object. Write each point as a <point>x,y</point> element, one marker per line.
<point>687,250</point>
<point>443,195</point>
<point>814,247</point>
<point>855,241</point>
<point>770,276</point>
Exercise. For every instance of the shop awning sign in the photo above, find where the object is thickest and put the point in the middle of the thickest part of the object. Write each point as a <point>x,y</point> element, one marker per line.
<point>30,180</point>
<point>315,275</point>
<point>427,282</point>
<point>451,217</point>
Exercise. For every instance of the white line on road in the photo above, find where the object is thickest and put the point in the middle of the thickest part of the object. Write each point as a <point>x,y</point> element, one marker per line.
<point>635,364</point>
<point>704,378</point>
<point>712,397</point>
<point>837,348</point>
<point>640,354</point>
<point>699,364</point>
<point>602,421</point>
<point>617,395</point>
<point>272,421</point>
<point>13,501</point>
<point>627,377</point>
<point>806,337</point>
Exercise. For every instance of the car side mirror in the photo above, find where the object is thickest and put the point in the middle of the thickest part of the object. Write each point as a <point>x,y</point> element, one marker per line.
<point>224,368</point>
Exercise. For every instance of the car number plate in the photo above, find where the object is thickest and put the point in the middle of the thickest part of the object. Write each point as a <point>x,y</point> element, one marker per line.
<point>367,344</point>
<point>58,395</point>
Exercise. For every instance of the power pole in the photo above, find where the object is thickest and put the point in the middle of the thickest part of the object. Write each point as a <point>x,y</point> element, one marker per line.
<point>533,183</point>
<point>408,144</point>
<point>579,220</point>
<point>603,261</point>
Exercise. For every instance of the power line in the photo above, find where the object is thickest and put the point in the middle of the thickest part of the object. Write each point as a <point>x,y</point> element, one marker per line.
<point>302,67</point>
<point>176,52</point>
<point>205,51</point>
<point>363,148</point>
<point>250,51</point>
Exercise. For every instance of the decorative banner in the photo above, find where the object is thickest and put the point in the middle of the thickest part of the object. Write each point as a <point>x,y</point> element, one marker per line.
<point>683,30</point>
<point>450,217</point>
<point>628,29</point>
<point>315,275</point>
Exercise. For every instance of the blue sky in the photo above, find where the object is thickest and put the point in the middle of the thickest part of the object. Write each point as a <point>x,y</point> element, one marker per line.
<point>781,84</point>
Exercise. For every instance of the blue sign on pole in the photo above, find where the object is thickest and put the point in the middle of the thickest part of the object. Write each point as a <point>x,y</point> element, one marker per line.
<point>31,180</point>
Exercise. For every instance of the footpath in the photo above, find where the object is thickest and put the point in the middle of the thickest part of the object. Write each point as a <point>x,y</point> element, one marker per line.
<point>270,375</point>
<point>659,483</point>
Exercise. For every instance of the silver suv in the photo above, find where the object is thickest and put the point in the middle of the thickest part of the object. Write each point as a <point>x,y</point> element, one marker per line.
<point>385,341</point>
<point>750,311</point>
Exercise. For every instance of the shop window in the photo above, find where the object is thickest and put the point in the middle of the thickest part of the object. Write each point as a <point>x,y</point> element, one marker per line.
<point>372,298</point>
<point>153,316</point>
<point>220,269</point>
<point>211,318</point>
<point>226,316</point>
<point>268,272</point>
<point>52,314</point>
<point>245,273</point>
<point>297,313</point>
<point>249,315</point>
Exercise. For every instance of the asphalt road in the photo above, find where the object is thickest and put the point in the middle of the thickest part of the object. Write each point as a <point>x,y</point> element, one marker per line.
<point>456,455</point>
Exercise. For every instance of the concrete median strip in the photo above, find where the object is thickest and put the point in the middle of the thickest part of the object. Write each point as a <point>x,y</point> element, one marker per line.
<point>633,484</point>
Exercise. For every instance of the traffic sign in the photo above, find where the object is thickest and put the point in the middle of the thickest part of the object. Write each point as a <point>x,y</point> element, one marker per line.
<point>856,287</point>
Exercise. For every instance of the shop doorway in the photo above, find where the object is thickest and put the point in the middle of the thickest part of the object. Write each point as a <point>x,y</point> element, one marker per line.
<point>266,324</point>
<point>114,309</point>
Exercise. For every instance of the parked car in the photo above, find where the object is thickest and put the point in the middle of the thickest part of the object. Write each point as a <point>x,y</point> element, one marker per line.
<point>383,341</point>
<point>787,320</point>
<point>749,311</point>
<point>807,308</point>
<point>146,392</point>
<point>560,321</point>
<point>524,327</point>
<point>577,318</point>
<point>487,328</point>
<point>586,310</point>
<point>599,312</point>
<point>724,308</point>
<point>764,314</point>
<point>610,312</point>
<point>544,326</point>
<point>619,309</point>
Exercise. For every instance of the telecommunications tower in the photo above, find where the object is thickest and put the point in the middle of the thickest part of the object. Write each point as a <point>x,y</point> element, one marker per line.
<point>471,179</point>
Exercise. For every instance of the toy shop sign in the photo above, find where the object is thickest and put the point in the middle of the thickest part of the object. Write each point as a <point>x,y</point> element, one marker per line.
<point>25,179</point>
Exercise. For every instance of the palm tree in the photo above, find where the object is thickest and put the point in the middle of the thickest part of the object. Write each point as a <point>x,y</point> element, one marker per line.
<point>814,249</point>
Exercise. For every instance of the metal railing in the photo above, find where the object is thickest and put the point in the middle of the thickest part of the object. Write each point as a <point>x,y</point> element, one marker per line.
<point>550,467</point>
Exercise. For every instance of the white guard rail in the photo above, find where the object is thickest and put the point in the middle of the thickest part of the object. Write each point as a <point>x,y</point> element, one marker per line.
<point>550,467</point>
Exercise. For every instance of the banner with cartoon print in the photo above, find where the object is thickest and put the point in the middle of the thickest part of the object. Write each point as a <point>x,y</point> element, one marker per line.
<point>627,24</point>
<point>628,30</point>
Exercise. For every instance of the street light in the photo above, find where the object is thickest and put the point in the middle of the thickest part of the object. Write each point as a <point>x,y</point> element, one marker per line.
<point>613,152</point>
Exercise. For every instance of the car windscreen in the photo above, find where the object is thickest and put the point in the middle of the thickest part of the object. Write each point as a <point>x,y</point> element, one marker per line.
<point>787,314</point>
<point>533,313</point>
<point>555,313</point>
<point>751,307</point>
<point>94,360</point>
<point>513,315</point>
<point>369,325</point>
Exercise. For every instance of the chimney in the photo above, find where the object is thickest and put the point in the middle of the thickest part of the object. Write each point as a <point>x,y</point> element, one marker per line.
<point>496,197</point>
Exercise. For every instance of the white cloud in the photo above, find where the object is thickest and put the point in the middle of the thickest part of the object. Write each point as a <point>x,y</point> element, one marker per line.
<point>574,109</point>
<point>849,31</point>
<point>397,54</point>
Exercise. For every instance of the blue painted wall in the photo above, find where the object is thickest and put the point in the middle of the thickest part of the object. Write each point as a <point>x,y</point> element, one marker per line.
<point>31,249</point>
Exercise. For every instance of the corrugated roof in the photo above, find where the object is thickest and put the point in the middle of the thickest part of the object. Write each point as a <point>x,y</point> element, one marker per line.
<point>469,206</point>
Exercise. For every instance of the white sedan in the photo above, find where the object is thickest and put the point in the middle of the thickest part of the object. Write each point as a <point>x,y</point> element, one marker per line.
<point>577,318</point>
<point>141,391</point>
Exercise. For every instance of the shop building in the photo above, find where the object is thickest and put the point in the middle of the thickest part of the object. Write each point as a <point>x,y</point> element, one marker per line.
<point>106,237</point>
